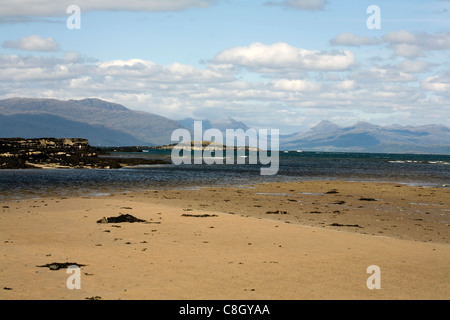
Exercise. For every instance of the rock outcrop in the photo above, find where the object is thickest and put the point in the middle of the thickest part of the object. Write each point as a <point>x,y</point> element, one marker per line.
<point>18,153</point>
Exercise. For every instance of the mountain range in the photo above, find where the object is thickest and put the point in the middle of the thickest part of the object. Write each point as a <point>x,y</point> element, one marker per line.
<point>221,124</point>
<point>101,122</point>
<point>367,137</point>
<point>109,124</point>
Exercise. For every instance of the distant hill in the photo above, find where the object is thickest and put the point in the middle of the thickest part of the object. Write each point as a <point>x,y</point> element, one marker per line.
<point>221,124</point>
<point>47,125</point>
<point>112,124</point>
<point>360,137</point>
<point>367,137</point>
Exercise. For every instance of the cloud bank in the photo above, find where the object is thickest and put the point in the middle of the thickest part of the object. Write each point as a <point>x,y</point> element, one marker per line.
<point>402,42</point>
<point>282,57</point>
<point>349,39</point>
<point>33,43</point>
<point>304,5</point>
<point>294,86</point>
<point>46,8</point>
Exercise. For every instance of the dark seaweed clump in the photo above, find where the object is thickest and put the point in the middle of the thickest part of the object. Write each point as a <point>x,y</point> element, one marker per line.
<point>122,218</point>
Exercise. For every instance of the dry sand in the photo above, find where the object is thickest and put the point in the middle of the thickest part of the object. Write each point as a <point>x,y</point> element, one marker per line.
<point>269,241</point>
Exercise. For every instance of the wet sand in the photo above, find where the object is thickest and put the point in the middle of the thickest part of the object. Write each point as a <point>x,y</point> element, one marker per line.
<point>381,209</point>
<point>310,240</point>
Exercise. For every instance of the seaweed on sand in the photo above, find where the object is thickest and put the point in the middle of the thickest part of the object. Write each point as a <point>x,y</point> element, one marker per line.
<point>60,265</point>
<point>122,218</point>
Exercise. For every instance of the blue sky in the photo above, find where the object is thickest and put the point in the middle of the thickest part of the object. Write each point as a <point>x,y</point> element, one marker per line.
<point>280,64</point>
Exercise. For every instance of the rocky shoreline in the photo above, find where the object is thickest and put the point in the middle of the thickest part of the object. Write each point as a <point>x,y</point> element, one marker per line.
<point>19,153</point>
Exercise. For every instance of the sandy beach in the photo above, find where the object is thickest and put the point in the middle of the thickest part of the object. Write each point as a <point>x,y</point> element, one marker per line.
<point>277,241</point>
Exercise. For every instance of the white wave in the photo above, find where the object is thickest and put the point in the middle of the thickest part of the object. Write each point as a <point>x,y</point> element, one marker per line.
<point>416,161</point>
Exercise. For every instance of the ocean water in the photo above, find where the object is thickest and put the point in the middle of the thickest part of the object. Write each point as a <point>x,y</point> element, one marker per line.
<point>423,170</point>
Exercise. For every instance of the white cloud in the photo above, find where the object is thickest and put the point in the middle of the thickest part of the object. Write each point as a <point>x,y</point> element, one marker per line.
<point>408,50</point>
<point>438,41</point>
<point>377,74</point>
<point>404,43</point>
<point>349,39</point>
<point>436,83</point>
<point>45,8</point>
<point>345,85</point>
<point>401,36</point>
<point>410,45</point>
<point>282,57</point>
<point>33,43</point>
<point>295,85</point>
<point>307,5</point>
<point>175,72</point>
<point>414,66</point>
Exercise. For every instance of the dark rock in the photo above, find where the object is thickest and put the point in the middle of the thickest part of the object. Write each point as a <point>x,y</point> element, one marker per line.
<point>345,225</point>
<point>18,153</point>
<point>367,199</point>
<point>58,265</point>
<point>199,215</point>
<point>122,218</point>
<point>277,212</point>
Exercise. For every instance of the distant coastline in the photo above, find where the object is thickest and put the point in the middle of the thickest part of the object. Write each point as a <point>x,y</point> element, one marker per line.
<point>107,124</point>
<point>192,145</point>
<point>52,153</point>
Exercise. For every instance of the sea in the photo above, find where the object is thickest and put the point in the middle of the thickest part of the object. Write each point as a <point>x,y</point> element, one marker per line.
<point>411,169</point>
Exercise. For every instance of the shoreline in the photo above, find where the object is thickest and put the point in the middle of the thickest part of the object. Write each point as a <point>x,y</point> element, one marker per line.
<point>221,243</point>
<point>90,191</point>
<point>373,208</point>
<point>413,213</point>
